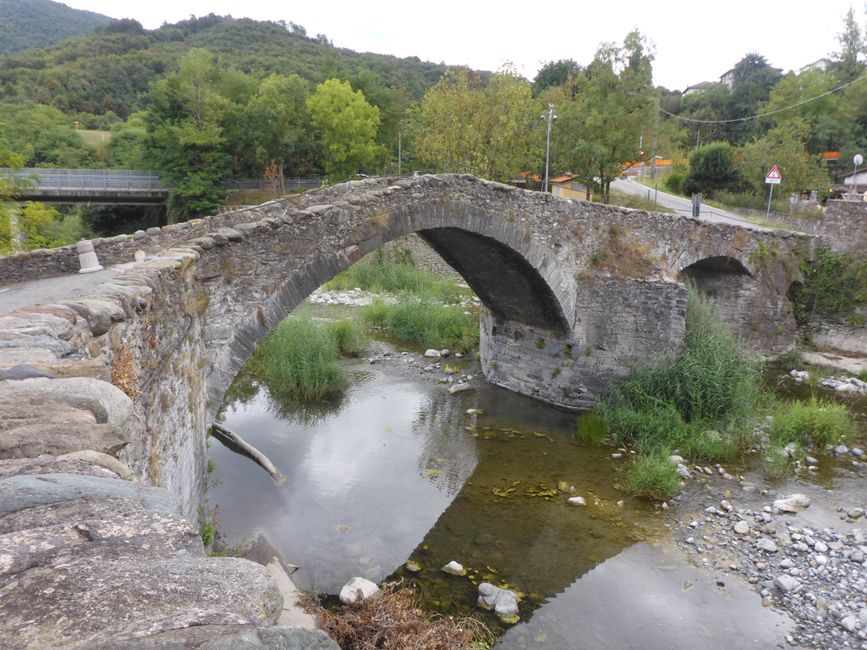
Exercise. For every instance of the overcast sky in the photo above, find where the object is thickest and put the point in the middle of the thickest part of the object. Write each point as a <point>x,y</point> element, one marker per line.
<point>695,40</point>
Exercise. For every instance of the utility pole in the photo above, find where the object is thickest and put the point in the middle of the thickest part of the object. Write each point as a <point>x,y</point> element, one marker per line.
<point>551,117</point>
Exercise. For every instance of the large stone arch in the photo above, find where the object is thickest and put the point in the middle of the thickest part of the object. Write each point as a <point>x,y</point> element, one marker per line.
<point>262,276</point>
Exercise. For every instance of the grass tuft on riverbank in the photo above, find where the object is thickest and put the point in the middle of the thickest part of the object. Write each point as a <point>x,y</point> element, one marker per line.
<point>700,403</point>
<point>814,422</point>
<point>299,359</point>
<point>378,274</point>
<point>433,325</point>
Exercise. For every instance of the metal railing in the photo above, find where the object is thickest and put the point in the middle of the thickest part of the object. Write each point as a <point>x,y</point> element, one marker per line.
<point>87,179</point>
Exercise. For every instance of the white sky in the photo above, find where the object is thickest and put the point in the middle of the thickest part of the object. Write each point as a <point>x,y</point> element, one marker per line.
<point>695,40</point>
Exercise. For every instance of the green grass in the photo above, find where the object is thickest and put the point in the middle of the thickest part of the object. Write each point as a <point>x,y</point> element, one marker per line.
<point>700,403</point>
<point>652,475</point>
<point>590,428</point>
<point>792,360</point>
<point>814,422</point>
<point>349,338</point>
<point>298,359</point>
<point>380,275</point>
<point>432,325</point>
<point>616,197</point>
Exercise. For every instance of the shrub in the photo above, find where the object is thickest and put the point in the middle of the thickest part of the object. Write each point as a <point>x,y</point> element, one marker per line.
<point>298,360</point>
<point>711,168</point>
<point>815,422</point>
<point>436,326</point>
<point>792,360</point>
<point>674,182</point>
<point>835,287</point>
<point>654,476</point>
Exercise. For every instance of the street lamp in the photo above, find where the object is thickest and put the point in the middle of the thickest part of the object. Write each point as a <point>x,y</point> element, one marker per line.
<point>858,159</point>
<point>551,117</point>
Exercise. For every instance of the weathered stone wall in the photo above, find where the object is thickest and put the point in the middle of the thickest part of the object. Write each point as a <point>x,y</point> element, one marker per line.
<point>618,322</point>
<point>843,225</point>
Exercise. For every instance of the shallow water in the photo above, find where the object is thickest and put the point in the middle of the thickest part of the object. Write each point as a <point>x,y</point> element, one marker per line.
<point>398,471</point>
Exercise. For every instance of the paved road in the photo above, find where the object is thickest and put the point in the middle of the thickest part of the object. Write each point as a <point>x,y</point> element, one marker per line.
<point>683,206</point>
<point>48,290</point>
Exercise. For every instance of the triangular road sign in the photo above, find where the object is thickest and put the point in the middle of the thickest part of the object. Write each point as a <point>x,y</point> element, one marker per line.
<point>773,176</point>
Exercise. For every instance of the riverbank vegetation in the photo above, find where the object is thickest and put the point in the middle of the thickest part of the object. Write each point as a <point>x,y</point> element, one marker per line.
<point>428,323</point>
<point>707,404</point>
<point>834,288</point>
<point>378,273</point>
<point>299,359</point>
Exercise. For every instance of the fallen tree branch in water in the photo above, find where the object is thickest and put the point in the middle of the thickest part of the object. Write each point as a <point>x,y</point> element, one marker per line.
<point>237,444</point>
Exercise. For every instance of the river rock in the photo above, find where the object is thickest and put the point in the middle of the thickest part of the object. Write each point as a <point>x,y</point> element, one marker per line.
<point>455,569</point>
<point>432,354</point>
<point>577,501</point>
<point>793,503</point>
<point>786,583</point>
<point>357,589</point>
<point>742,528</point>
<point>459,388</point>
<point>766,545</point>
<point>503,601</point>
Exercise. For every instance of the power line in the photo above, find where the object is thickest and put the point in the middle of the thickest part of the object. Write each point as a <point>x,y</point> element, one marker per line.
<point>769,113</point>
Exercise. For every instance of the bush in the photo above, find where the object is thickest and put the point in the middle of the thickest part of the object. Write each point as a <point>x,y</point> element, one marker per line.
<point>378,274</point>
<point>435,326</point>
<point>298,360</point>
<point>654,476</point>
<point>711,168</point>
<point>815,422</point>
<point>674,182</point>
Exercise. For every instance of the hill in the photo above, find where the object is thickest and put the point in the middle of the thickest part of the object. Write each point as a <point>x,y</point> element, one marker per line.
<point>110,69</point>
<point>26,24</point>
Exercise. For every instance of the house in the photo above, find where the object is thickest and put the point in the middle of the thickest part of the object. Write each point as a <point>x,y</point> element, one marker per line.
<point>698,88</point>
<point>821,65</point>
<point>568,187</point>
<point>728,78</point>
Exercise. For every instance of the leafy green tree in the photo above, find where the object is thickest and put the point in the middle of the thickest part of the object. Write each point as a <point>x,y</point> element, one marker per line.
<point>555,73</point>
<point>783,146</point>
<point>825,130</point>
<point>711,168</point>
<point>44,136</point>
<point>276,120</point>
<point>348,126</point>
<point>849,60</point>
<point>185,135</point>
<point>603,117</point>
<point>491,131</point>
<point>753,80</point>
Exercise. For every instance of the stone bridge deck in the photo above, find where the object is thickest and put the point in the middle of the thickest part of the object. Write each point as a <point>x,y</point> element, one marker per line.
<point>105,399</point>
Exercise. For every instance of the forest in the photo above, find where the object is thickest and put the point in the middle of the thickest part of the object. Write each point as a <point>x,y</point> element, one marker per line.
<point>214,98</point>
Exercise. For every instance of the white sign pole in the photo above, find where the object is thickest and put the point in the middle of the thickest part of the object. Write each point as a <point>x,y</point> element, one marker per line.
<point>770,196</point>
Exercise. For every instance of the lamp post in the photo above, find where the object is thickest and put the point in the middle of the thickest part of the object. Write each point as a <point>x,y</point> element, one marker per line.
<point>551,117</point>
<point>857,160</point>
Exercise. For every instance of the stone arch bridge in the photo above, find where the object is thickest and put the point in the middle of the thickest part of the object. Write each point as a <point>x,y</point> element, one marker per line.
<point>572,292</point>
<point>105,398</point>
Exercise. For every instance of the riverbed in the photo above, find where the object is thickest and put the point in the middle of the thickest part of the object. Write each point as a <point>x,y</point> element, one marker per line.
<point>400,470</point>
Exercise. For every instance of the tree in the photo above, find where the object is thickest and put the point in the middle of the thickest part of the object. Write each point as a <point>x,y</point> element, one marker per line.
<point>848,61</point>
<point>276,118</point>
<point>555,73</point>
<point>711,168</point>
<point>605,113</point>
<point>753,80</point>
<point>185,135</point>
<point>347,125</point>
<point>783,146</point>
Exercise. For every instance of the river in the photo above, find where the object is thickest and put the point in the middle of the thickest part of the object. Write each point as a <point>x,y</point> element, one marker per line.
<point>399,470</point>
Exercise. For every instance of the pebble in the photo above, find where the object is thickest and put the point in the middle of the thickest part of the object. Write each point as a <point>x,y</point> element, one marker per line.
<point>577,501</point>
<point>786,583</point>
<point>455,569</point>
<point>766,545</point>
<point>742,528</point>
